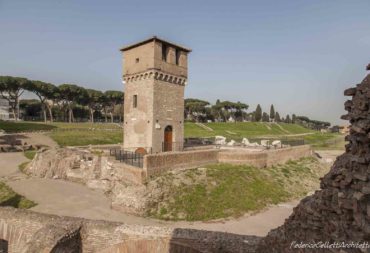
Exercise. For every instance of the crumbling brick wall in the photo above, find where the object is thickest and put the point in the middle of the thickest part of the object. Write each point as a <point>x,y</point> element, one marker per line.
<point>340,211</point>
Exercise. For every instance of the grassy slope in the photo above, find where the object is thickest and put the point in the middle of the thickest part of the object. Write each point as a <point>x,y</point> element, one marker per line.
<point>226,190</point>
<point>14,127</point>
<point>9,198</point>
<point>243,129</point>
<point>326,141</point>
<point>82,138</point>
<point>78,134</point>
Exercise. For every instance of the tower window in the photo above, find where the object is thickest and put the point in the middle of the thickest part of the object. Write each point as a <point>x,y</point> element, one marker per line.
<point>164,52</point>
<point>137,60</point>
<point>135,101</point>
<point>177,56</point>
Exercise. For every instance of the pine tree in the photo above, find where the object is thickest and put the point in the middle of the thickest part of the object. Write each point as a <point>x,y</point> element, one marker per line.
<point>294,118</point>
<point>277,117</point>
<point>287,119</point>
<point>265,117</point>
<point>272,113</point>
<point>258,113</point>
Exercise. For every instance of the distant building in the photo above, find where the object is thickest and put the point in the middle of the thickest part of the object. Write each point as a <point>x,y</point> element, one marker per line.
<point>4,109</point>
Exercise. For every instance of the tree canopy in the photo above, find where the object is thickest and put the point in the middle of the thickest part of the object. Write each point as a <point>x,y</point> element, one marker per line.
<point>258,113</point>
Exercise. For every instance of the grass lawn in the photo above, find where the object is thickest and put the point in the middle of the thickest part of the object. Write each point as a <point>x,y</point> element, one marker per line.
<point>30,154</point>
<point>86,137</point>
<point>15,127</point>
<point>326,141</point>
<point>81,134</point>
<point>224,190</point>
<point>87,125</point>
<point>239,130</point>
<point>9,198</point>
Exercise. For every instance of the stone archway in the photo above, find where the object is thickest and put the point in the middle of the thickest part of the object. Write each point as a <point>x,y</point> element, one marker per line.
<point>167,141</point>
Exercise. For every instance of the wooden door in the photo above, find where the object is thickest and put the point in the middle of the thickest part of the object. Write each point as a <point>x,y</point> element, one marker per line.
<point>167,144</point>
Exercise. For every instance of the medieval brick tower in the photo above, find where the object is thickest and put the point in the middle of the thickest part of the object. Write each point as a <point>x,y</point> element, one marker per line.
<point>155,73</point>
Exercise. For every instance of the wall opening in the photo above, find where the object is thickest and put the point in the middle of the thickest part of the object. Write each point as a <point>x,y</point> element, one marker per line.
<point>167,142</point>
<point>3,246</point>
<point>134,102</point>
<point>164,52</point>
<point>177,56</point>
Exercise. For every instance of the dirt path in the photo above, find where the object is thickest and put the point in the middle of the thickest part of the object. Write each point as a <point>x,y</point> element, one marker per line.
<point>72,199</point>
<point>259,224</point>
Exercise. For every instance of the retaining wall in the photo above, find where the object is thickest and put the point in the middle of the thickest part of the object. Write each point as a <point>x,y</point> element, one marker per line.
<point>261,159</point>
<point>158,163</point>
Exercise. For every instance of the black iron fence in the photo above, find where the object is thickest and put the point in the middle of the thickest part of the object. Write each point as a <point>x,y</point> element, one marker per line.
<point>129,157</point>
<point>194,142</point>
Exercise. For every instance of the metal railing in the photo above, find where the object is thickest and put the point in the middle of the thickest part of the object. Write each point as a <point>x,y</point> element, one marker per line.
<point>195,142</point>
<point>129,157</point>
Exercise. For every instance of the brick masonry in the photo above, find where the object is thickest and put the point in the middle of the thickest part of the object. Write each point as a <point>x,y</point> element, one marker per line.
<point>156,164</point>
<point>158,87</point>
<point>30,232</point>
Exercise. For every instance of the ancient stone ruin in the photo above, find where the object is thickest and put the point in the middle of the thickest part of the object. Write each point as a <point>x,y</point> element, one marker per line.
<point>340,211</point>
<point>30,232</point>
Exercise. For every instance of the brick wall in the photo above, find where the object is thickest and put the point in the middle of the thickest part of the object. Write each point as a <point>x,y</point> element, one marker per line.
<point>158,163</point>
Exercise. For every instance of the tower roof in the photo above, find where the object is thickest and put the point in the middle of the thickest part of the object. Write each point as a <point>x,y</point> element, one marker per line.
<point>155,38</point>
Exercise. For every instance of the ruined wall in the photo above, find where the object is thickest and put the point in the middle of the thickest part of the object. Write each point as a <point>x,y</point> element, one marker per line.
<point>160,163</point>
<point>281,156</point>
<point>31,232</point>
<point>261,159</point>
<point>340,211</point>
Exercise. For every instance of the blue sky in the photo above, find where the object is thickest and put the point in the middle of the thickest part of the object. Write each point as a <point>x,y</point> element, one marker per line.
<point>298,55</point>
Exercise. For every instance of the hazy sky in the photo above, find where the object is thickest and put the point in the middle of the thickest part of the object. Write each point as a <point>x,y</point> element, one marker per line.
<point>298,55</point>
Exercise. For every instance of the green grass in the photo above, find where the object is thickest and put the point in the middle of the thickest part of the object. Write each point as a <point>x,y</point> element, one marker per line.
<point>81,134</point>
<point>30,154</point>
<point>9,198</point>
<point>239,130</point>
<point>226,190</point>
<point>87,125</point>
<point>22,167</point>
<point>15,127</point>
<point>326,141</point>
<point>83,138</point>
